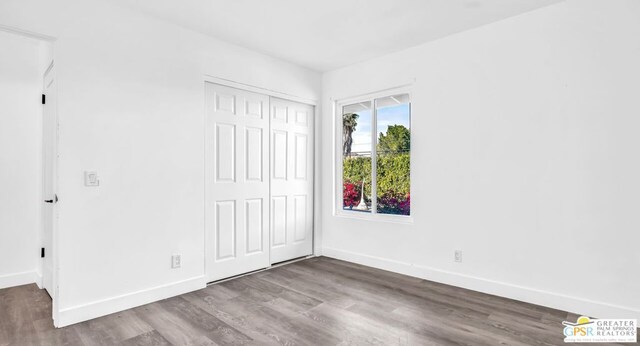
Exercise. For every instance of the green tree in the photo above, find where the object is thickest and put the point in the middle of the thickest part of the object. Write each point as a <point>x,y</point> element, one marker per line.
<point>397,140</point>
<point>349,124</point>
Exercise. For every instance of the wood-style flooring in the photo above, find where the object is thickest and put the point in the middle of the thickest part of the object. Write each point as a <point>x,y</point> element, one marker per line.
<point>318,301</point>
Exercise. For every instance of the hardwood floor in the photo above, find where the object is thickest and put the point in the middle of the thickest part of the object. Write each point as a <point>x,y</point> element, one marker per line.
<point>318,301</point>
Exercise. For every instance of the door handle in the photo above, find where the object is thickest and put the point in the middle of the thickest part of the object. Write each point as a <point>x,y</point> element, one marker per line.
<point>54,200</point>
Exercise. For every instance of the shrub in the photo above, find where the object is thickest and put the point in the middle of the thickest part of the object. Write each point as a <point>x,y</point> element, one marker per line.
<point>356,170</point>
<point>391,203</point>
<point>393,173</point>
<point>393,182</point>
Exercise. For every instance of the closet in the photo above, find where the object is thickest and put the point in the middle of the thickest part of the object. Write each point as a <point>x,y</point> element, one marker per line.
<point>258,180</point>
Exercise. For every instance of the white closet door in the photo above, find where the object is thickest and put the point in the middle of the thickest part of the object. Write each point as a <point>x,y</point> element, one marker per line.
<point>237,181</point>
<point>291,180</point>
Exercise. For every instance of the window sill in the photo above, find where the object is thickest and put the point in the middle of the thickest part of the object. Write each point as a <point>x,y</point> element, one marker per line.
<point>388,218</point>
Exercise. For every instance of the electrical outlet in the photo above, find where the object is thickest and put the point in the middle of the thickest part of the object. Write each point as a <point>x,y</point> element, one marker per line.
<point>457,256</point>
<point>176,261</point>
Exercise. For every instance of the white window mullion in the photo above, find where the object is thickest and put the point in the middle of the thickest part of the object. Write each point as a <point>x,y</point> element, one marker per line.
<point>338,162</point>
<point>374,158</point>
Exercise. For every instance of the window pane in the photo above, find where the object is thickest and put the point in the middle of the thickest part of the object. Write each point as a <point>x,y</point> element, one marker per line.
<point>356,157</point>
<point>393,155</point>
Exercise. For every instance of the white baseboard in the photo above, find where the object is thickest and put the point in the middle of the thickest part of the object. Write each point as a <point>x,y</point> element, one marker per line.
<point>525,294</point>
<point>38,280</point>
<point>84,312</point>
<point>18,279</point>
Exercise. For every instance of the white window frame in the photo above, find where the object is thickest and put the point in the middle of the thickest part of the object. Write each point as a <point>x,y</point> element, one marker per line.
<point>338,181</point>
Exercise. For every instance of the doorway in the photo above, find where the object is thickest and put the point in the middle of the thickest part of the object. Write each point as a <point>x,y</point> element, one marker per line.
<point>259,180</point>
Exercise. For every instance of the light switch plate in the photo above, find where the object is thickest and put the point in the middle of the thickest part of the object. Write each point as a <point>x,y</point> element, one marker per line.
<point>91,178</point>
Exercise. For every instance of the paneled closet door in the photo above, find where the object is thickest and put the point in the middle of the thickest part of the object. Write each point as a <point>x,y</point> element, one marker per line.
<point>291,180</point>
<point>237,181</point>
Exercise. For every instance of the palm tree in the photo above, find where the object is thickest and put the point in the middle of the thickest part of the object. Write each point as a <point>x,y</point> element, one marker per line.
<point>349,123</point>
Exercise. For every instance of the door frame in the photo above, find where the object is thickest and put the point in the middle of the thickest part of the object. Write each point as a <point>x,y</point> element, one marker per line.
<point>50,40</point>
<point>316,251</point>
<point>53,250</point>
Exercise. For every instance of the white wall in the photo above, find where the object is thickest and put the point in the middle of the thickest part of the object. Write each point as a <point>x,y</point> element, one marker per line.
<point>131,98</point>
<point>20,168</point>
<point>525,156</point>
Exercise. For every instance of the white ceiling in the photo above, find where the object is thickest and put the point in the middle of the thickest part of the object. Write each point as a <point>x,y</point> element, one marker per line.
<point>328,34</point>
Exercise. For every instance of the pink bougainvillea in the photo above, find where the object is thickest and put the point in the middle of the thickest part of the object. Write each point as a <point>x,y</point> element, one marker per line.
<point>393,203</point>
<point>351,194</point>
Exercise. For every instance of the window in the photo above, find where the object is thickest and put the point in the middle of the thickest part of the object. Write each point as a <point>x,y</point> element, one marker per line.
<point>374,170</point>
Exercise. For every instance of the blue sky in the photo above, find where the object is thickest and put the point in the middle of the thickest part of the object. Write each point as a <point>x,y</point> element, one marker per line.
<point>392,115</point>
